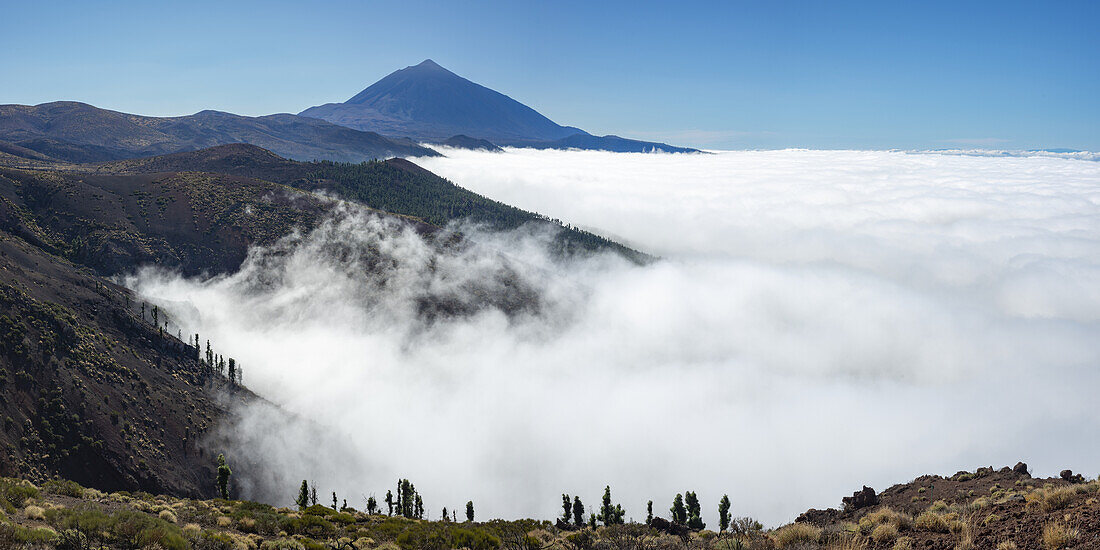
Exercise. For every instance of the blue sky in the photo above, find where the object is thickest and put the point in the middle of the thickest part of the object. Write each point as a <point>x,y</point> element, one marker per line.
<point>724,74</point>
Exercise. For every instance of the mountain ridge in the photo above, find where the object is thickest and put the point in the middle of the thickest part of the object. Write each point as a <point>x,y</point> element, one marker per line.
<point>78,132</point>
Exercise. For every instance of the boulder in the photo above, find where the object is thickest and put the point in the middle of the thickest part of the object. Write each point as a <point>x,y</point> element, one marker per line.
<point>1069,476</point>
<point>1021,468</point>
<point>860,499</point>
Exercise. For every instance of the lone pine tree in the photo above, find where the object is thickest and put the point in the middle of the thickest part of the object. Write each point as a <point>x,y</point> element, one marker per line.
<point>223,477</point>
<point>470,511</point>
<point>723,513</point>
<point>303,495</point>
<point>678,512</point>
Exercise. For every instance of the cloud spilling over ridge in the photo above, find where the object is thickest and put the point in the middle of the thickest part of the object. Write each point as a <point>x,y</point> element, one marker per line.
<point>821,320</point>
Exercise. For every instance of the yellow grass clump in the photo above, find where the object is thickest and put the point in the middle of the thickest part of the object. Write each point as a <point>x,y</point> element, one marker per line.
<point>1058,535</point>
<point>932,521</point>
<point>796,533</point>
<point>34,512</point>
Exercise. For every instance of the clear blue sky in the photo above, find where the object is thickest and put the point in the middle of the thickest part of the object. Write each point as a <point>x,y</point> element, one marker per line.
<point>723,74</point>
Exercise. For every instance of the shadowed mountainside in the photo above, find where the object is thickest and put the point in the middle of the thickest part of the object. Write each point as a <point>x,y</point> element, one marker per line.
<point>80,133</point>
<point>397,186</point>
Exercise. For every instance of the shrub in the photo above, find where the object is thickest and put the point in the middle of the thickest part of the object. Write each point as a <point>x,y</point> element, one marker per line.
<point>796,533</point>
<point>931,521</point>
<point>168,516</point>
<point>34,512</point>
<point>1058,535</point>
<point>904,543</point>
<point>1006,545</point>
<point>63,487</point>
<point>884,533</point>
<point>887,515</point>
<point>1056,499</point>
<point>16,492</point>
<point>282,544</point>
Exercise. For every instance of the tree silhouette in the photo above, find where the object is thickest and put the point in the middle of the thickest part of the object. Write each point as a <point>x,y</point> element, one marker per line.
<point>679,513</point>
<point>578,512</point>
<point>223,477</point>
<point>723,513</point>
<point>567,509</point>
<point>303,495</point>
<point>470,511</point>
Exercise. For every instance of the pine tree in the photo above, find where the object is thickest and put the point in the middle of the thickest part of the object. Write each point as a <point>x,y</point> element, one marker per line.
<point>723,513</point>
<point>649,513</point>
<point>679,513</point>
<point>694,511</point>
<point>446,516</point>
<point>567,509</point>
<point>419,507</point>
<point>578,512</point>
<point>313,494</point>
<point>303,496</point>
<point>592,521</point>
<point>389,501</point>
<point>223,477</point>
<point>609,514</point>
<point>334,501</point>
<point>372,505</point>
<point>232,370</point>
<point>470,511</point>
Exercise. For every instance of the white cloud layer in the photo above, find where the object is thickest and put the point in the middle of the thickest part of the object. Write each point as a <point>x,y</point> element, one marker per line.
<point>821,320</point>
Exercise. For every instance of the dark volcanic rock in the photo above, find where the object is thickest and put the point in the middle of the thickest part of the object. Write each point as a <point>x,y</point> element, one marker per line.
<point>818,517</point>
<point>1069,476</point>
<point>669,527</point>
<point>860,499</point>
<point>1020,468</point>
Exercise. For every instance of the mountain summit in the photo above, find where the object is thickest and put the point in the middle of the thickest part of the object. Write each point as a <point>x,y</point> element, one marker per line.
<point>427,102</point>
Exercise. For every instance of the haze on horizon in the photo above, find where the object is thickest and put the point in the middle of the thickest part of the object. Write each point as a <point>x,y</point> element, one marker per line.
<point>711,74</point>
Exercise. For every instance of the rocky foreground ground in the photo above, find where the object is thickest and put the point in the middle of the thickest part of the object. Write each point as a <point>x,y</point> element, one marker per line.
<point>997,509</point>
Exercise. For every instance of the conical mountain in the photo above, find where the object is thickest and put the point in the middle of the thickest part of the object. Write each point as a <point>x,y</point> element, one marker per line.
<point>429,102</point>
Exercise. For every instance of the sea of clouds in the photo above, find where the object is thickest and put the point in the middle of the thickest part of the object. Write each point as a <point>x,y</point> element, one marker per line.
<point>818,320</point>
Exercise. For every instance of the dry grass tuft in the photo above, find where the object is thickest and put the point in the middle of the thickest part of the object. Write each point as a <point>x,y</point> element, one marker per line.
<point>1058,535</point>
<point>167,515</point>
<point>1050,499</point>
<point>796,533</point>
<point>1006,545</point>
<point>934,522</point>
<point>34,512</point>
<point>884,533</point>
<point>224,521</point>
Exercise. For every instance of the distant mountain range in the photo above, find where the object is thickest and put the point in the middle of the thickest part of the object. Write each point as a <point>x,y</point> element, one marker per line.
<point>428,103</point>
<point>391,118</point>
<point>78,132</point>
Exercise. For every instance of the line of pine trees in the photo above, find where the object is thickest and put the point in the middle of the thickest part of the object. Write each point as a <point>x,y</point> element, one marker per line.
<point>212,363</point>
<point>686,509</point>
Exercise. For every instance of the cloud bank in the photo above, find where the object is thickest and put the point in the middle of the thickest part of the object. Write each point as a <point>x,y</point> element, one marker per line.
<point>820,320</point>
